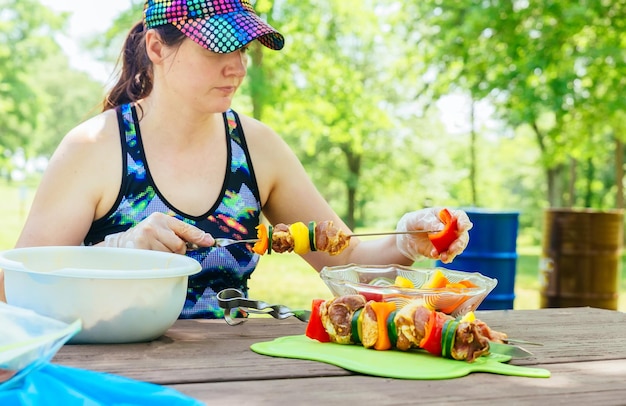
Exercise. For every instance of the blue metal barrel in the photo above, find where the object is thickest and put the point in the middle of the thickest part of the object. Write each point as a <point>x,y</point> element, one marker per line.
<point>492,251</point>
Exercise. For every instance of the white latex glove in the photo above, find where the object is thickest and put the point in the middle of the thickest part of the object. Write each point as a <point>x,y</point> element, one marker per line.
<point>417,246</point>
<point>160,232</point>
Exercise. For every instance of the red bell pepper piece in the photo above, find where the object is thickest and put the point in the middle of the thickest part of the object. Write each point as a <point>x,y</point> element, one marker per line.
<point>442,240</point>
<point>432,334</point>
<point>376,297</point>
<point>315,329</point>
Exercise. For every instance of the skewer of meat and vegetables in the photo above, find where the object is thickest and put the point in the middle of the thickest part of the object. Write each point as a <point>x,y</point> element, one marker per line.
<point>324,236</point>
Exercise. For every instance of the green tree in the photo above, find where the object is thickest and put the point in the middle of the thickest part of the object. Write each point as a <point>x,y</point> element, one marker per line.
<point>107,46</point>
<point>26,35</point>
<point>337,106</point>
<point>67,97</point>
<point>555,67</point>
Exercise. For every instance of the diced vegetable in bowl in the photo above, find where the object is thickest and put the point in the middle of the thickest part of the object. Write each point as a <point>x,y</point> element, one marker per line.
<point>449,291</point>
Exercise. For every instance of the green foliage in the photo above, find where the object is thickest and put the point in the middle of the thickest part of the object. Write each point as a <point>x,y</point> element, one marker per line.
<point>532,60</point>
<point>107,46</point>
<point>336,108</point>
<point>67,98</point>
<point>26,30</point>
<point>41,97</point>
<point>354,93</point>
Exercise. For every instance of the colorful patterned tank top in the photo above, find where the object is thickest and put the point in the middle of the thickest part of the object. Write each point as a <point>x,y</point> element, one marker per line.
<point>235,214</point>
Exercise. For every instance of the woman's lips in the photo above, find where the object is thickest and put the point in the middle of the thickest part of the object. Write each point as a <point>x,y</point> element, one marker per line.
<point>227,89</point>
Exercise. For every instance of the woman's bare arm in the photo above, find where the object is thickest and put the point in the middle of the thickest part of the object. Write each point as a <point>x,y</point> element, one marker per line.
<point>82,178</point>
<point>288,195</point>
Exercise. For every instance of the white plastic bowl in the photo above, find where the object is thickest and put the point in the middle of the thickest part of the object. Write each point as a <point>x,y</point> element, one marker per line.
<point>121,295</point>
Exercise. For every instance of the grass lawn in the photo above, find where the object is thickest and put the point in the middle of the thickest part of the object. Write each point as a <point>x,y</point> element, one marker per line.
<point>14,206</point>
<point>286,278</point>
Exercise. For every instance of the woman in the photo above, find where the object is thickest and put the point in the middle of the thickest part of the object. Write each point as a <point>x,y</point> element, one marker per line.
<point>168,162</point>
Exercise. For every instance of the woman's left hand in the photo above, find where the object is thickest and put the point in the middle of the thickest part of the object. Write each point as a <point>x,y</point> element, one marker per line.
<point>417,246</point>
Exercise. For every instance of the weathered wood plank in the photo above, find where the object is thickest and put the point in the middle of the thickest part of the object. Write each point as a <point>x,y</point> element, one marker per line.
<point>568,335</point>
<point>198,351</point>
<point>210,351</point>
<point>596,382</point>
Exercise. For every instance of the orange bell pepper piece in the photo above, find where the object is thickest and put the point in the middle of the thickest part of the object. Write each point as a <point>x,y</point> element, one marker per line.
<point>436,281</point>
<point>442,240</point>
<point>382,310</point>
<point>468,284</point>
<point>261,246</point>
<point>456,287</point>
<point>453,305</point>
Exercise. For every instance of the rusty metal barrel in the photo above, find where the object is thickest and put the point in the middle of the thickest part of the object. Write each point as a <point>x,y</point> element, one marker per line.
<point>580,263</point>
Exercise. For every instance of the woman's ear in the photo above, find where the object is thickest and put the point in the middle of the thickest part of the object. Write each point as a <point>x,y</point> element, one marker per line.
<point>154,47</point>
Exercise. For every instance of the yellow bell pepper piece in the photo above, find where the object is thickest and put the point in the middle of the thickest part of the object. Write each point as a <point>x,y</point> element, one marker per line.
<point>468,318</point>
<point>300,233</point>
<point>403,282</point>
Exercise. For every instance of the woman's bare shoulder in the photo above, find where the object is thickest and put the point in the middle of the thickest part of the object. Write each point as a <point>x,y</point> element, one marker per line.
<point>261,136</point>
<point>99,129</point>
<point>252,125</point>
<point>90,145</point>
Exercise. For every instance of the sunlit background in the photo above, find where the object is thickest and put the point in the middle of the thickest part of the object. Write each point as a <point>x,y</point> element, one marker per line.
<point>422,135</point>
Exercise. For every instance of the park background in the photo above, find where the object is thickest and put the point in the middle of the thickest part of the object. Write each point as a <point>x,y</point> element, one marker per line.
<point>390,105</point>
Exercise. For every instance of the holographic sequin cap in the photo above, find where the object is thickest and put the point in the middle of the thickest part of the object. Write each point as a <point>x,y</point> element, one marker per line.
<point>218,25</point>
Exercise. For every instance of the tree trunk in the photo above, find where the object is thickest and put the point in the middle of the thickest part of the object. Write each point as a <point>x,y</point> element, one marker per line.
<point>619,173</point>
<point>552,173</point>
<point>573,163</point>
<point>256,88</point>
<point>473,163</point>
<point>591,171</point>
<point>354,171</point>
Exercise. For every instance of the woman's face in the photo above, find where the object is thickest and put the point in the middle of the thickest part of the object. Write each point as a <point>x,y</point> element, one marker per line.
<point>190,73</point>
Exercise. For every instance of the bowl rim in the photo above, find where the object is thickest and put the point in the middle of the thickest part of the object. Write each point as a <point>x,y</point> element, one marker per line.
<point>325,274</point>
<point>185,266</point>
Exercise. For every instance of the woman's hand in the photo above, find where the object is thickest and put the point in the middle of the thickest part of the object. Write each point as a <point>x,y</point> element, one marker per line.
<point>416,246</point>
<point>160,232</point>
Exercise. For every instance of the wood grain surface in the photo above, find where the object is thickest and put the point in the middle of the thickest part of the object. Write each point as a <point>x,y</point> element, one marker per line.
<point>584,348</point>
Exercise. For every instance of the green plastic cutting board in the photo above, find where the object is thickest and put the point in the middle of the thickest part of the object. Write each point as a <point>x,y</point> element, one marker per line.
<point>390,364</point>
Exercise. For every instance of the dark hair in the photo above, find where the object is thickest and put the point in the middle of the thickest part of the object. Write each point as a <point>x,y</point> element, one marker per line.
<point>135,79</point>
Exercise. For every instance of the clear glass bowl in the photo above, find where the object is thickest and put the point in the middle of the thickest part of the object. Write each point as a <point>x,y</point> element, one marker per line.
<point>377,282</point>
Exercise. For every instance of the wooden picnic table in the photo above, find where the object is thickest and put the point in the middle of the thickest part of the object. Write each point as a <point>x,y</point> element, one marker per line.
<point>584,349</point>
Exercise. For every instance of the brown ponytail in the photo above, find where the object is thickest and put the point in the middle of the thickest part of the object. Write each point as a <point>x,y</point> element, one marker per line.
<point>135,81</point>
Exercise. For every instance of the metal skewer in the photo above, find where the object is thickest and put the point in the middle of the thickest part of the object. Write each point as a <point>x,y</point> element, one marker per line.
<point>393,233</point>
<point>223,242</point>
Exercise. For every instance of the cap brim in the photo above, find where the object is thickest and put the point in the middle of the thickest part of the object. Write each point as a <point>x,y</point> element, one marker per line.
<point>226,33</point>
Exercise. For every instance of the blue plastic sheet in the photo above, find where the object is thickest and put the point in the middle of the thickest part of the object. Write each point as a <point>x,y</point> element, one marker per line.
<point>53,384</point>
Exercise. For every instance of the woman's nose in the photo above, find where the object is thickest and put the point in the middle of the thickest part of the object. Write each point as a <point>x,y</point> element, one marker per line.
<point>237,63</point>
